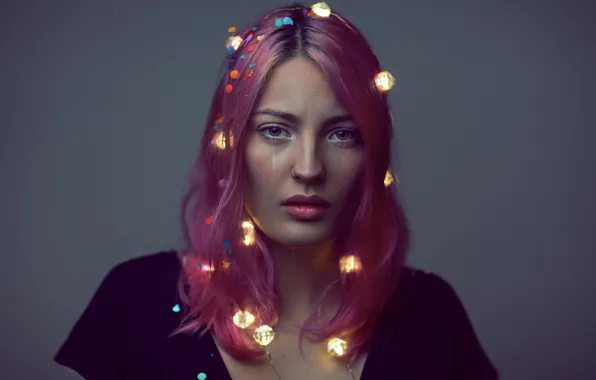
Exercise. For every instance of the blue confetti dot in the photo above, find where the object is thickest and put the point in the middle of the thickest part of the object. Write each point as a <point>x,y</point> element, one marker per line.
<point>176,308</point>
<point>212,354</point>
<point>201,376</point>
<point>252,65</point>
<point>287,21</point>
<point>226,243</point>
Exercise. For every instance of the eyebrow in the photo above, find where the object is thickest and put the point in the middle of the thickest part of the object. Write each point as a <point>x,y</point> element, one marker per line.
<point>291,118</point>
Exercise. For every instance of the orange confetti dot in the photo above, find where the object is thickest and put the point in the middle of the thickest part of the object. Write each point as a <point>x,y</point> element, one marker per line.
<point>234,74</point>
<point>220,120</point>
<point>232,29</point>
<point>229,88</point>
<point>259,38</point>
<point>209,219</point>
<point>226,264</point>
<point>251,47</point>
<point>248,74</point>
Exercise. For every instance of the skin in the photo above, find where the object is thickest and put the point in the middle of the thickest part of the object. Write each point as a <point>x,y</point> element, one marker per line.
<point>313,148</point>
<point>317,153</point>
<point>301,154</point>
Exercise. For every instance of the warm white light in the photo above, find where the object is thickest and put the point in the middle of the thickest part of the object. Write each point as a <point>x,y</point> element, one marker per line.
<point>207,268</point>
<point>219,140</point>
<point>264,335</point>
<point>349,264</point>
<point>388,179</point>
<point>337,347</point>
<point>384,81</point>
<point>234,42</point>
<point>321,9</point>
<point>249,232</point>
<point>243,319</point>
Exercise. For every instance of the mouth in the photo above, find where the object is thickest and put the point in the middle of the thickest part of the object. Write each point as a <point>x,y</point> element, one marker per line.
<point>306,208</point>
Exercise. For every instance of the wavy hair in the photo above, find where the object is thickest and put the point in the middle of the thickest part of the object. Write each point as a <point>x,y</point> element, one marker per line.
<point>222,275</point>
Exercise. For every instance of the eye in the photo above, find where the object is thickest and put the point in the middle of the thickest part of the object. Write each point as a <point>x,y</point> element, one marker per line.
<point>344,135</point>
<point>274,132</point>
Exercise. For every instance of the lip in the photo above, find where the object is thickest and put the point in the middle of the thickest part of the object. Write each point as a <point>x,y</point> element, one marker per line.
<point>306,208</point>
<point>307,200</point>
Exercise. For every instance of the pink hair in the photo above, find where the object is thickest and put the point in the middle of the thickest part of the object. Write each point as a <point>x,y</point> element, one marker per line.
<point>377,233</point>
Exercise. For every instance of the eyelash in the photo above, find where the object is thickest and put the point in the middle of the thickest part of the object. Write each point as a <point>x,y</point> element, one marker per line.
<point>277,139</point>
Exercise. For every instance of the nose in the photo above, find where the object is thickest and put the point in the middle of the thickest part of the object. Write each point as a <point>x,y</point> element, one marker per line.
<point>308,168</point>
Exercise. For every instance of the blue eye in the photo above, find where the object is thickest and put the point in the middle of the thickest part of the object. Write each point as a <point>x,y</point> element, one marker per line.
<point>274,132</point>
<point>344,135</point>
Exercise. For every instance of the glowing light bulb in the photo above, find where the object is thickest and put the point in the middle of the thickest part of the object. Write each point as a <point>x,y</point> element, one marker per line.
<point>349,264</point>
<point>206,267</point>
<point>249,232</point>
<point>388,179</point>
<point>243,319</point>
<point>219,140</point>
<point>233,43</point>
<point>321,9</point>
<point>384,81</point>
<point>264,335</point>
<point>337,347</point>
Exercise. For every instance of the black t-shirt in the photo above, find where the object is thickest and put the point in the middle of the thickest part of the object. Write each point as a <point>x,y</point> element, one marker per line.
<point>125,332</point>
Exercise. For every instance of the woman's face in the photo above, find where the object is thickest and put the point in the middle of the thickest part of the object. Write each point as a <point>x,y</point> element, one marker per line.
<point>302,143</point>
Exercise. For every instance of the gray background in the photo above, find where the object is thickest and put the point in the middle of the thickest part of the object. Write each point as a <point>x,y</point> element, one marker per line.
<point>102,109</point>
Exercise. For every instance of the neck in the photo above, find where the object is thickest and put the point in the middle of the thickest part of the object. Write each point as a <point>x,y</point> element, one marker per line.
<point>302,276</point>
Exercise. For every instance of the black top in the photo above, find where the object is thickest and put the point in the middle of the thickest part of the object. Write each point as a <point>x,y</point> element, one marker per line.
<point>123,334</point>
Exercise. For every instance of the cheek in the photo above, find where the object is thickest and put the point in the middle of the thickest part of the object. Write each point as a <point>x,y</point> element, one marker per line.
<point>264,164</point>
<point>345,169</point>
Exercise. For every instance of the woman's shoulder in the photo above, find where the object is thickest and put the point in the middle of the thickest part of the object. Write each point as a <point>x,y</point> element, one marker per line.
<point>427,313</point>
<point>133,309</point>
<point>159,264</point>
<point>415,282</point>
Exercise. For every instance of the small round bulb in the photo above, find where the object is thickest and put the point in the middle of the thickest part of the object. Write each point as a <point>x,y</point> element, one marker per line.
<point>384,81</point>
<point>219,140</point>
<point>321,9</point>
<point>349,264</point>
<point>388,179</point>
<point>243,319</point>
<point>337,347</point>
<point>249,232</point>
<point>264,335</point>
<point>233,43</point>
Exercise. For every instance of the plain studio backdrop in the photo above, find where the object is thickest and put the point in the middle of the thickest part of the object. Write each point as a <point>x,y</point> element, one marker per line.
<point>103,106</point>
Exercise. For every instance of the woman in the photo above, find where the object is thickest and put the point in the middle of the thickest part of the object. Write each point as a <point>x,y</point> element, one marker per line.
<point>296,240</point>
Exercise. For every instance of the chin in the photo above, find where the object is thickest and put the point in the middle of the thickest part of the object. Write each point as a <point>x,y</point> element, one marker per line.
<point>300,234</point>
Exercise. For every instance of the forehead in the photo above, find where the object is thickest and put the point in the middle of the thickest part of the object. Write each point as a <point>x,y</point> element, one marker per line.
<point>299,87</point>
